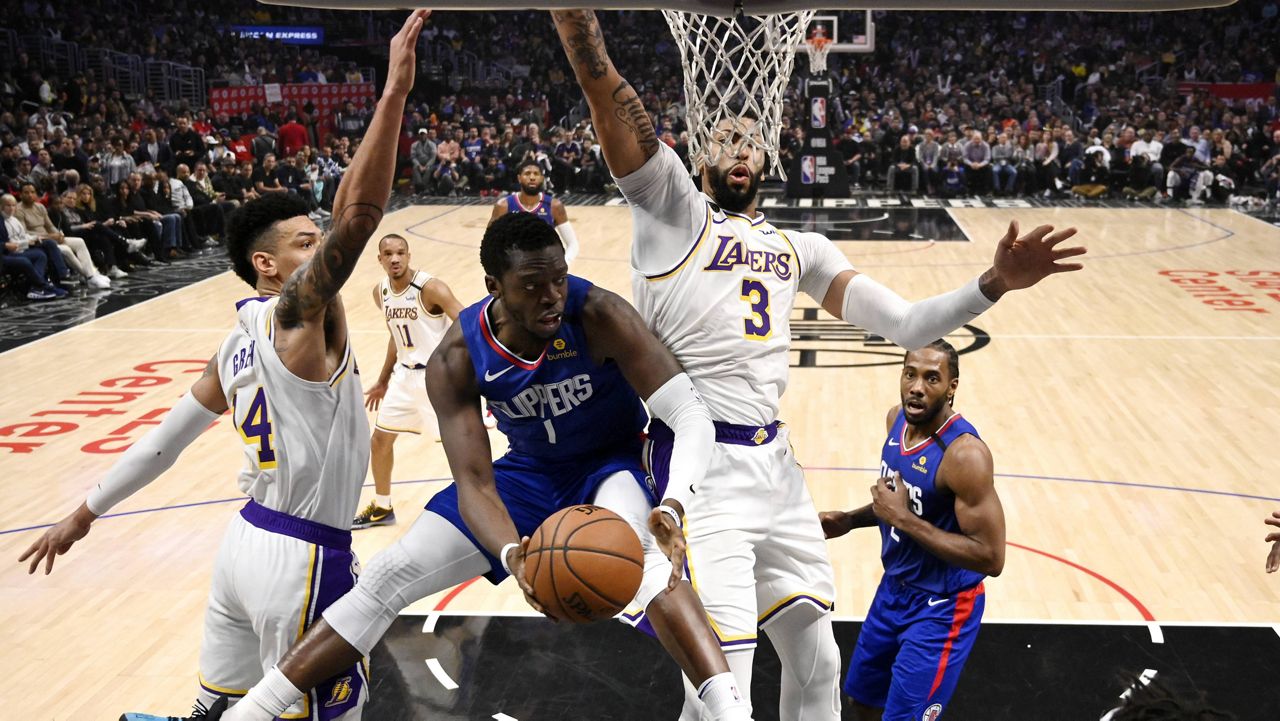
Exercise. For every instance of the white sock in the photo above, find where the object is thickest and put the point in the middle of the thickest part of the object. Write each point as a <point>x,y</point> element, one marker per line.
<point>382,501</point>
<point>723,700</point>
<point>269,698</point>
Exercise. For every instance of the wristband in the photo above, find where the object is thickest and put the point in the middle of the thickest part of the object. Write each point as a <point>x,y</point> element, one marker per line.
<point>502,556</point>
<point>671,512</point>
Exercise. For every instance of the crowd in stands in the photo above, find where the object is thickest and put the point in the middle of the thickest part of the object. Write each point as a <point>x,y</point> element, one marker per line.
<point>96,183</point>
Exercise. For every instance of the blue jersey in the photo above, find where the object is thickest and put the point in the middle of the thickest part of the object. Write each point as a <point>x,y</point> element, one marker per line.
<point>542,209</point>
<point>905,561</point>
<point>561,404</point>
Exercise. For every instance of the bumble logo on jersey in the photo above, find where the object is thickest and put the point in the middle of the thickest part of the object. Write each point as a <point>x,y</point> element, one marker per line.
<point>732,252</point>
<point>559,345</point>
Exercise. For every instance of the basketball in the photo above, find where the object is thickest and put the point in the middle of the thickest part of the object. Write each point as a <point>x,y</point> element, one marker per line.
<point>584,564</point>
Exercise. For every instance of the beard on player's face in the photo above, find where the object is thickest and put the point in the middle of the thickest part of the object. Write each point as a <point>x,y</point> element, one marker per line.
<point>735,198</point>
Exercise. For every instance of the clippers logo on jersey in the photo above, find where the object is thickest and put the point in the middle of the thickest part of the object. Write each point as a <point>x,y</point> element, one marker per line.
<point>561,404</point>
<point>732,252</point>
<point>933,713</point>
<point>559,398</point>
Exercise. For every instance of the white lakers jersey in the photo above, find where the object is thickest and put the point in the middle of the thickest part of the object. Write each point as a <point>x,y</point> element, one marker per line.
<point>718,288</point>
<point>305,442</point>
<point>416,331</point>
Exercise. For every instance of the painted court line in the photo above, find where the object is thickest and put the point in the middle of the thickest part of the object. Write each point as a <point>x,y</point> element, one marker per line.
<point>438,671</point>
<point>1157,635</point>
<point>503,717</point>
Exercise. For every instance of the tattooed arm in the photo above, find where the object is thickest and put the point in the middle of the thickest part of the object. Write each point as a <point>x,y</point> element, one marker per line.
<point>623,125</point>
<point>311,333</point>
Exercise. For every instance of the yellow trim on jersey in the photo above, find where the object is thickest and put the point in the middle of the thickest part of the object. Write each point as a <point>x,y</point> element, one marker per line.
<point>389,429</point>
<point>813,597</point>
<point>693,581</point>
<point>794,254</point>
<point>270,327</point>
<point>706,233</point>
<point>220,689</point>
<point>341,372</point>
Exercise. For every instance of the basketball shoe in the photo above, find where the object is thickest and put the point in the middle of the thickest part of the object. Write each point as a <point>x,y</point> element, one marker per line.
<point>198,713</point>
<point>374,515</point>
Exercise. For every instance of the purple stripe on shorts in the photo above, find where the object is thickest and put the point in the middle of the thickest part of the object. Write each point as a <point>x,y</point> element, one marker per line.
<point>300,528</point>
<point>342,692</point>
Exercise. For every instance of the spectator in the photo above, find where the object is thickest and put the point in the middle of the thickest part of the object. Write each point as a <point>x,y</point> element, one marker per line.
<point>187,145</point>
<point>117,165</point>
<point>25,255</point>
<point>953,183</point>
<point>1188,178</point>
<point>422,155</point>
<point>74,251</point>
<point>103,244</point>
<point>158,204</point>
<point>1004,166</point>
<point>977,164</point>
<point>903,163</point>
<point>266,179</point>
<point>153,150</point>
<point>1093,177</point>
<point>928,156</point>
<point>292,136</point>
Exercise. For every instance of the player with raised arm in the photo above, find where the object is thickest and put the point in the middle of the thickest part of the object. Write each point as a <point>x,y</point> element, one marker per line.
<point>287,374</point>
<point>418,309</point>
<point>531,198</point>
<point>941,532</point>
<point>563,365</point>
<point>717,283</point>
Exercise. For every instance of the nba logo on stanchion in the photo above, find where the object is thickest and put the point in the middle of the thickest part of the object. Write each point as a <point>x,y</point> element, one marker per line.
<point>808,173</point>
<point>818,112</point>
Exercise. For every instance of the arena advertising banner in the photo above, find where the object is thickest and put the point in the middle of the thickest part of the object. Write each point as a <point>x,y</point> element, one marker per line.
<point>287,34</point>
<point>326,97</point>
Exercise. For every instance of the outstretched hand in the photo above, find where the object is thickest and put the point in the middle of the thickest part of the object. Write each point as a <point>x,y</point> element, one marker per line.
<point>1023,261</point>
<point>58,540</point>
<point>373,396</point>
<point>402,64</point>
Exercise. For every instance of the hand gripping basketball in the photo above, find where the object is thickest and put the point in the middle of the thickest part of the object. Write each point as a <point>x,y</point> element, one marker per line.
<point>583,564</point>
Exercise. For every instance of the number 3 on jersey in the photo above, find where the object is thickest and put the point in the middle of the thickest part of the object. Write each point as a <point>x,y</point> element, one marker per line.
<point>256,429</point>
<point>756,326</point>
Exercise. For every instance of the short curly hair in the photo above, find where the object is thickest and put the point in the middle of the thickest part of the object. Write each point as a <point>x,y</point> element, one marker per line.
<point>248,226</point>
<point>513,231</point>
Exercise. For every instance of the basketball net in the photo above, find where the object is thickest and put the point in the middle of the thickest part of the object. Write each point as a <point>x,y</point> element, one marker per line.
<point>817,49</point>
<point>735,68</point>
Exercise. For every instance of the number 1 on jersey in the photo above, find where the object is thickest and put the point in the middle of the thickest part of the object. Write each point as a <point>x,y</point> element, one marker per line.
<point>756,326</point>
<point>257,425</point>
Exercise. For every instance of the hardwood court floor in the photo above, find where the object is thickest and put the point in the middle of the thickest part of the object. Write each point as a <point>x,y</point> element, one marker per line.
<point>1129,416</point>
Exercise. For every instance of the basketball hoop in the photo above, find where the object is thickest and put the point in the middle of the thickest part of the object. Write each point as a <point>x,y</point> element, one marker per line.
<point>736,68</point>
<point>817,50</point>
